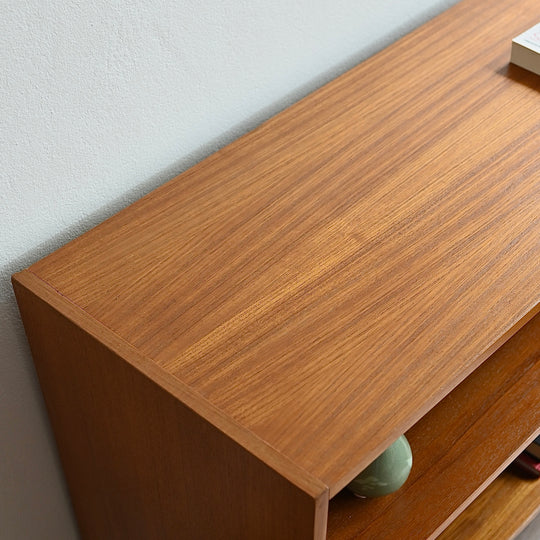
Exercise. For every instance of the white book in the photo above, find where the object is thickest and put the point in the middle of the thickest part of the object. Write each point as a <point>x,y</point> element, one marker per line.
<point>526,50</point>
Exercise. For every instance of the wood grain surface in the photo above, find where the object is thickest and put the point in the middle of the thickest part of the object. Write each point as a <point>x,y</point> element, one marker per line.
<point>139,463</point>
<point>326,279</point>
<point>500,513</point>
<point>458,448</point>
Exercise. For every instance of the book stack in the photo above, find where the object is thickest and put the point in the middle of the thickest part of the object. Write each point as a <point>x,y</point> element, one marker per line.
<point>529,460</point>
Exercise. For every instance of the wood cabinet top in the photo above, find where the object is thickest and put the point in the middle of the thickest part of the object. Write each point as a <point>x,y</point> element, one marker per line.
<point>327,278</point>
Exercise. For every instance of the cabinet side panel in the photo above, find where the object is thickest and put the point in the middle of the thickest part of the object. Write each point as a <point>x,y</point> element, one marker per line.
<point>140,464</point>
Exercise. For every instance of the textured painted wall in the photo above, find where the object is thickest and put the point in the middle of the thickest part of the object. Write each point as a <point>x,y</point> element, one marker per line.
<point>102,101</point>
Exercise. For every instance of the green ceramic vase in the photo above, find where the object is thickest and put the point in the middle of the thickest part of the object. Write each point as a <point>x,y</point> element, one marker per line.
<point>387,473</point>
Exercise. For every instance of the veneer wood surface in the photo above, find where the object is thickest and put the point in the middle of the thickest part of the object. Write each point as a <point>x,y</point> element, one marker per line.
<point>460,446</point>
<point>326,279</point>
<point>501,512</point>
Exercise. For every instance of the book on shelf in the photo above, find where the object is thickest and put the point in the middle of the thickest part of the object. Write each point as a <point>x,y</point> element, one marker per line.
<point>526,50</point>
<point>527,464</point>
<point>534,448</point>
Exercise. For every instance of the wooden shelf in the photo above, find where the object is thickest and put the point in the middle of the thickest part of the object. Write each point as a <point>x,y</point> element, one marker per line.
<point>458,448</point>
<point>340,250</point>
<point>226,354</point>
<point>501,511</point>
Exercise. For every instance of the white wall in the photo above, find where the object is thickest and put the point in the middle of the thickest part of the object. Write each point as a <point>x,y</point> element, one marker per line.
<point>102,101</point>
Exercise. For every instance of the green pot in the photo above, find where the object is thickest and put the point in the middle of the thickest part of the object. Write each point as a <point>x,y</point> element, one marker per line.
<point>387,473</point>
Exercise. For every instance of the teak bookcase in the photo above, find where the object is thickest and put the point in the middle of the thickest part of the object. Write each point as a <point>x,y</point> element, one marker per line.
<point>222,357</point>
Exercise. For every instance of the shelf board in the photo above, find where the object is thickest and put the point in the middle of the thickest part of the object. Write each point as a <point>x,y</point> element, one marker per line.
<point>458,448</point>
<point>502,511</point>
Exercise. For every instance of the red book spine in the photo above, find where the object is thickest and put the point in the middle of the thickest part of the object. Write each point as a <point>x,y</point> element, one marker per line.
<point>528,464</point>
